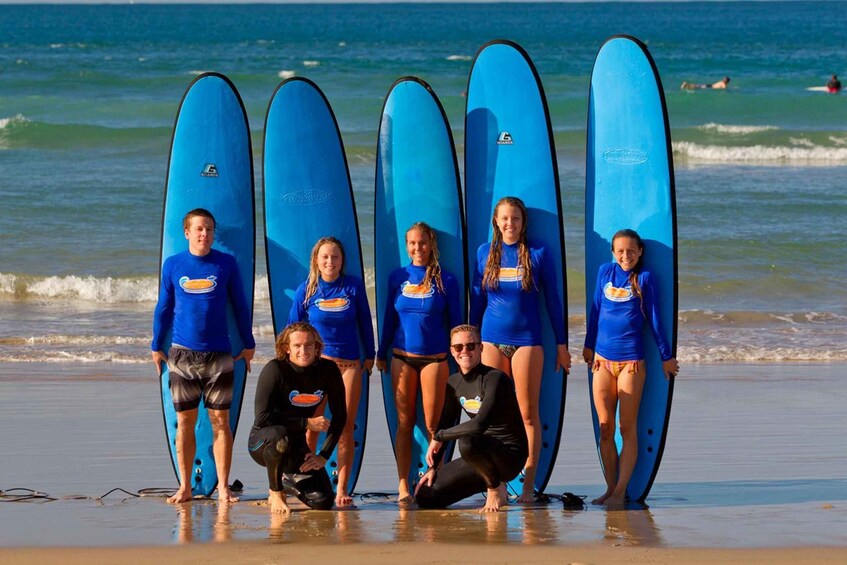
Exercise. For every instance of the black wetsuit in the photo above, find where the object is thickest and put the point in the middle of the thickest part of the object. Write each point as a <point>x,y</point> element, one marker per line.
<point>492,444</point>
<point>286,396</point>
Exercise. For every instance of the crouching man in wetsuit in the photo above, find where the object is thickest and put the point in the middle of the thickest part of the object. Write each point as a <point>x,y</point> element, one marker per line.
<point>289,388</point>
<point>492,444</point>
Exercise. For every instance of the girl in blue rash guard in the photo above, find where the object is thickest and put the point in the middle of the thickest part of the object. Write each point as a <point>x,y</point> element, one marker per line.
<point>504,302</point>
<point>625,298</point>
<point>337,306</point>
<point>422,305</point>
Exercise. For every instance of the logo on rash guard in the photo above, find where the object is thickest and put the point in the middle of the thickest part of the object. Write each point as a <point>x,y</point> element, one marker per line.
<point>332,304</point>
<point>412,290</point>
<point>471,405</point>
<point>304,400</point>
<point>616,294</point>
<point>511,274</point>
<point>198,286</point>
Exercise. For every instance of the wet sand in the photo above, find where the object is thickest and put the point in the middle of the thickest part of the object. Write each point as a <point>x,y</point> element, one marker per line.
<point>755,458</point>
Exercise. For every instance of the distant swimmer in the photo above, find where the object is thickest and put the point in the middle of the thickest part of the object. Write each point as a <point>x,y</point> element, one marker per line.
<point>720,85</point>
<point>834,85</point>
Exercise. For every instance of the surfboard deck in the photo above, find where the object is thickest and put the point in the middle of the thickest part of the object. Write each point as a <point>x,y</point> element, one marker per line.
<point>509,151</point>
<point>308,195</point>
<point>417,179</point>
<point>210,166</point>
<point>630,184</point>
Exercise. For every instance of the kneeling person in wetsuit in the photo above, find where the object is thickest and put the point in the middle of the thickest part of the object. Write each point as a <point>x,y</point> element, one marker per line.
<point>289,388</point>
<point>492,444</point>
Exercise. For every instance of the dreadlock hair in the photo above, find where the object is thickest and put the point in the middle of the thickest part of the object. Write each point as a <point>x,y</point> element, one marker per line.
<point>433,267</point>
<point>636,270</point>
<point>491,275</point>
<point>314,273</point>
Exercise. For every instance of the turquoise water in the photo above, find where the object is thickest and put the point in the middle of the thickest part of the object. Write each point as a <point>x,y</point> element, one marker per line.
<point>88,96</point>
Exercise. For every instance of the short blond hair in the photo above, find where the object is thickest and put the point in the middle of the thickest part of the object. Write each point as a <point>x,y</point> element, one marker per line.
<point>471,329</point>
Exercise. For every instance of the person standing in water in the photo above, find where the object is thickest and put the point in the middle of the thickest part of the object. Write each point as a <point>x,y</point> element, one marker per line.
<point>195,288</point>
<point>336,304</point>
<point>510,278</point>
<point>625,298</point>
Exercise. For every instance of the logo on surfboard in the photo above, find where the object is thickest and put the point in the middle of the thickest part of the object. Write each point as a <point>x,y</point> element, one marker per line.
<point>210,170</point>
<point>505,138</point>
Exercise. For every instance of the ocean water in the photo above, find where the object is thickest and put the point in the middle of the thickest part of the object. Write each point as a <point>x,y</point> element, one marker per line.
<point>88,95</point>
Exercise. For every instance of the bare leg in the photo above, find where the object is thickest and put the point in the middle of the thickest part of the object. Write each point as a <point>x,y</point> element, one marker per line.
<point>312,436</point>
<point>222,448</point>
<point>605,392</point>
<point>629,389</point>
<point>405,380</point>
<point>433,388</point>
<point>492,357</point>
<point>527,367</point>
<point>186,445</point>
<point>352,376</point>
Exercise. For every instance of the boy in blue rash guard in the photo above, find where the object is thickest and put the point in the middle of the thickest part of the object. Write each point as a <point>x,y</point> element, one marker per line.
<point>337,306</point>
<point>422,304</point>
<point>196,287</point>
<point>505,302</point>
<point>625,298</point>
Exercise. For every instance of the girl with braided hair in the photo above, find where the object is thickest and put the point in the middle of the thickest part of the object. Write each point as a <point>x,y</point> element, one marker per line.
<point>422,304</point>
<point>625,298</point>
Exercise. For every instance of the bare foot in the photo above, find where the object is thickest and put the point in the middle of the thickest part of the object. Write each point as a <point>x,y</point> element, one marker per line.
<point>600,500</point>
<point>492,501</point>
<point>615,501</point>
<point>405,501</point>
<point>526,498</point>
<point>225,495</point>
<point>182,495</point>
<point>503,494</point>
<point>343,500</point>
<point>277,502</point>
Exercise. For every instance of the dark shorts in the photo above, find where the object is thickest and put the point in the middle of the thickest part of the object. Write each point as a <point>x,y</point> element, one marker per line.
<point>200,374</point>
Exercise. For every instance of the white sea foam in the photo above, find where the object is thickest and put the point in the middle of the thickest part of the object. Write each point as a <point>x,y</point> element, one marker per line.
<point>459,58</point>
<point>801,142</point>
<point>760,154</point>
<point>311,63</point>
<point>284,74</point>
<point>735,129</point>
<point>196,72</point>
<point>16,120</point>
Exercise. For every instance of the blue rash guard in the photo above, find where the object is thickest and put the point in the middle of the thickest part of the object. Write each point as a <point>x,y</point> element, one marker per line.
<point>417,320</point>
<point>339,310</point>
<point>616,321</point>
<point>193,295</point>
<point>507,314</point>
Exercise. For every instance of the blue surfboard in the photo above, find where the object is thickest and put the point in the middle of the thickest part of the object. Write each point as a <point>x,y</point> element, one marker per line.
<point>308,195</point>
<point>417,179</point>
<point>630,184</point>
<point>211,167</point>
<point>509,152</point>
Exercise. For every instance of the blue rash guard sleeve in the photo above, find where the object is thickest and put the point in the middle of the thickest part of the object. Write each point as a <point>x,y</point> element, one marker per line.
<point>549,286</point>
<point>478,299</point>
<point>651,305</point>
<point>390,319</point>
<point>340,312</point>
<point>591,326</point>
<point>238,299</point>
<point>163,315</point>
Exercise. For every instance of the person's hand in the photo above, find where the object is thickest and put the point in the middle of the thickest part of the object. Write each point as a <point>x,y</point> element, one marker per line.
<point>313,462</point>
<point>317,424</point>
<point>159,357</point>
<point>563,358</point>
<point>381,365</point>
<point>427,480</point>
<point>434,447</point>
<point>247,355</point>
<point>670,367</point>
<point>587,355</point>
<point>368,366</point>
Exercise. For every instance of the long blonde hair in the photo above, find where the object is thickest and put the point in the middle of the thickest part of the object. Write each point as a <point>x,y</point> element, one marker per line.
<point>491,274</point>
<point>284,339</point>
<point>314,273</point>
<point>433,267</point>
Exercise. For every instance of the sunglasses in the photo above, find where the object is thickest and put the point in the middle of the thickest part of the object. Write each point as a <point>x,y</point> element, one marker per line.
<point>458,347</point>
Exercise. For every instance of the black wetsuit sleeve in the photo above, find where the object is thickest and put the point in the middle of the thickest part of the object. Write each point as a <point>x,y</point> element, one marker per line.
<point>336,397</point>
<point>449,415</point>
<point>479,423</point>
<point>265,414</point>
